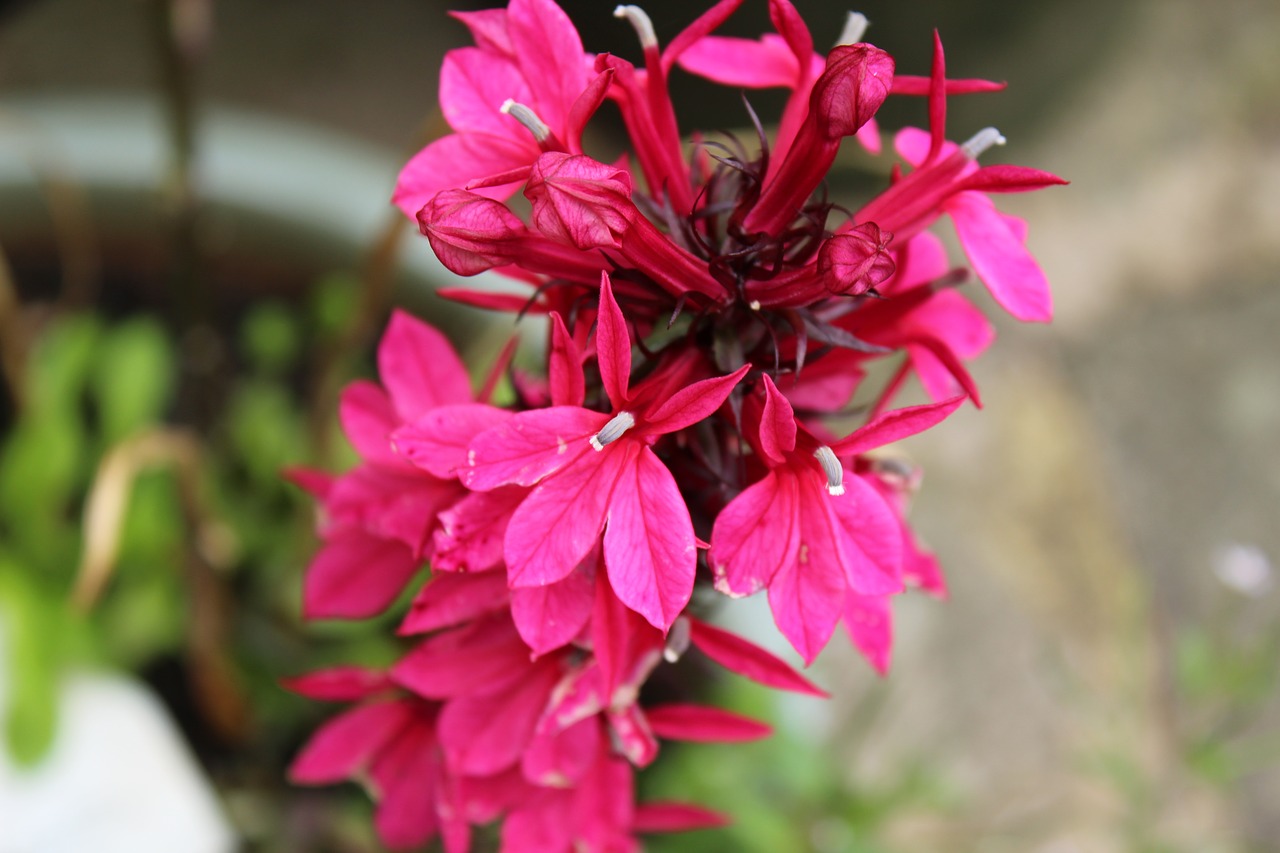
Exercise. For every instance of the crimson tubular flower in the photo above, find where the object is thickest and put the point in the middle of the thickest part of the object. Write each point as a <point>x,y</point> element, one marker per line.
<point>707,309</point>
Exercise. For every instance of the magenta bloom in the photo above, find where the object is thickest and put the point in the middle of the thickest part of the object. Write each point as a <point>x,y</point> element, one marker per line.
<point>709,304</point>
<point>597,472</point>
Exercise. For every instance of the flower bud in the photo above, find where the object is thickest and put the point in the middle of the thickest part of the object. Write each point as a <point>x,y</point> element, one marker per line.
<point>468,232</point>
<point>580,201</point>
<point>855,261</point>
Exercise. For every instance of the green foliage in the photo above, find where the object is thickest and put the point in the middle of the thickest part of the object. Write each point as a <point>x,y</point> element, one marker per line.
<point>132,378</point>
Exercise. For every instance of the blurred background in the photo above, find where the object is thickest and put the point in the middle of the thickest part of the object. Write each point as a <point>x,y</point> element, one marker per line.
<point>196,252</point>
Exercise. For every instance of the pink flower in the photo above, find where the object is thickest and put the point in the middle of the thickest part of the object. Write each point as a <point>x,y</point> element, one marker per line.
<point>594,471</point>
<point>810,530</point>
<point>378,519</point>
<point>947,179</point>
<point>530,57</point>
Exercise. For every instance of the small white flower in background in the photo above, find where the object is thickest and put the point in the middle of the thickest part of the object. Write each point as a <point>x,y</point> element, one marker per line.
<point>1244,568</point>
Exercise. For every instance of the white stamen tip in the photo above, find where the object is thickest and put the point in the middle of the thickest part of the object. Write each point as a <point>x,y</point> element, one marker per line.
<point>527,117</point>
<point>754,304</point>
<point>832,468</point>
<point>981,141</point>
<point>613,430</point>
<point>640,23</point>
<point>855,27</point>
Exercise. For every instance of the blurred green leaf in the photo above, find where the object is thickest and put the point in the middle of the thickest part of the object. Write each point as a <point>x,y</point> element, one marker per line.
<point>60,362</point>
<point>266,429</point>
<point>133,377</point>
<point>34,628</point>
<point>333,300</point>
<point>271,338</point>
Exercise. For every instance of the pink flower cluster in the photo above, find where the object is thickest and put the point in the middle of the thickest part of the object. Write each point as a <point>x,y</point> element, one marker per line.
<point>707,311</point>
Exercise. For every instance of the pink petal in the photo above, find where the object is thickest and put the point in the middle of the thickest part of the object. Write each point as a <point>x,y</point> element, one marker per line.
<point>551,616</point>
<point>693,403</point>
<point>777,425</point>
<point>560,521</point>
<point>613,346</point>
<point>895,425</point>
<point>826,384</point>
<point>806,595</point>
<point>438,440</point>
<point>564,368</point>
<point>472,530</point>
<point>675,817</point>
<point>999,258</point>
<point>368,418</point>
<point>1004,178</point>
<point>742,63</point>
<point>355,576</point>
<point>869,620</point>
<point>625,646</point>
<point>872,539</point>
<point>912,145</point>
<point>406,778</point>
<point>474,83</point>
<point>393,504</point>
<point>450,599</point>
<point>456,161</point>
<point>313,482</point>
<point>549,51</point>
<point>488,28</point>
<point>484,658</point>
<point>339,684</point>
<point>560,757</point>
<point>346,744</point>
<point>531,446</point>
<point>632,736</point>
<point>486,734</point>
<point>704,724</point>
<point>419,368</point>
<point>747,659</point>
<point>755,535</point>
<point>706,23</point>
<point>649,549</point>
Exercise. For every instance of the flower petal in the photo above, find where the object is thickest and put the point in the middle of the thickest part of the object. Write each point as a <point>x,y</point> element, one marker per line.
<point>999,258</point>
<point>755,535</point>
<point>419,368</point>
<point>895,425</point>
<point>704,724</point>
<point>872,538</point>
<point>471,531</point>
<point>551,616</point>
<point>356,575</point>
<point>748,660</point>
<point>346,744</point>
<point>450,599</point>
<point>869,621</point>
<point>560,521</point>
<point>486,734</point>
<point>339,684</point>
<point>649,548</point>
<point>693,403</point>
<point>531,446</point>
<point>613,346</point>
<point>458,160</point>
<point>438,440</point>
